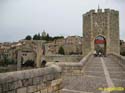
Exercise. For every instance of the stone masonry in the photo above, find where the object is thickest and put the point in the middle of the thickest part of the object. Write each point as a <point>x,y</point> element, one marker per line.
<point>101,23</point>
<point>41,80</point>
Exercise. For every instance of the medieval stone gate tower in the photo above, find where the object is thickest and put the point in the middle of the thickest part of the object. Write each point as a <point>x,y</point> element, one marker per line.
<point>101,23</point>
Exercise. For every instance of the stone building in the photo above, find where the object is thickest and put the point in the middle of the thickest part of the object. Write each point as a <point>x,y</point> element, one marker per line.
<point>22,51</point>
<point>73,40</point>
<point>4,50</point>
<point>71,45</point>
<point>50,48</point>
<point>26,53</point>
<point>60,41</point>
<point>31,50</point>
<point>104,24</point>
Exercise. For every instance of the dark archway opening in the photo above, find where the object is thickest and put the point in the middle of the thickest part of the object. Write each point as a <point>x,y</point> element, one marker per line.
<point>100,45</point>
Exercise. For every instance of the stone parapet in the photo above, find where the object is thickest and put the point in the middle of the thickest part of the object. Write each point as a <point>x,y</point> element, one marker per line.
<point>120,59</point>
<point>74,68</point>
<point>63,58</point>
<point>41,80</point>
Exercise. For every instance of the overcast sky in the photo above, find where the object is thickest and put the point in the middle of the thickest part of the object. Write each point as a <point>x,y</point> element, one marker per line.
<point>19,18</point>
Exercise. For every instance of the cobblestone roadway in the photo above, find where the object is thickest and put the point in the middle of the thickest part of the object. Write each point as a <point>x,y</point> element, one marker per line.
<point>98,73</point>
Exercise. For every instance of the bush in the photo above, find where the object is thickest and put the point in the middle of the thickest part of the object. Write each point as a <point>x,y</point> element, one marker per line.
<point>28,37</point>
<point>61,51</point>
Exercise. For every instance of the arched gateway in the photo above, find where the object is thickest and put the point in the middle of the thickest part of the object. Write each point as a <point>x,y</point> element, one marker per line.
<point>100,45</point>
<point>101,29</point>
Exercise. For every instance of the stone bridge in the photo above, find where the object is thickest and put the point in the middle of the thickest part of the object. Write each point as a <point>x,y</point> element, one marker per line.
<point>98,75</point>
<point>90,75</point>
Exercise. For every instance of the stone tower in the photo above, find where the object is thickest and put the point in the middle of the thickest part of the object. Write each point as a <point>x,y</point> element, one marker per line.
<point>101,23</point>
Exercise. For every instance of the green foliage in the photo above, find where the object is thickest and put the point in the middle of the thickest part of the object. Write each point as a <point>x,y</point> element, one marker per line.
<point>28,37</point>
<point>61,51</point>
<point>58,37</point>
<point>40,37</point>
<point>47,38</point>
<point>36,37</point>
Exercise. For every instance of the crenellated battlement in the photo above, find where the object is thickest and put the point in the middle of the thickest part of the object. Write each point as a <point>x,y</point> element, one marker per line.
<point>104,11</point>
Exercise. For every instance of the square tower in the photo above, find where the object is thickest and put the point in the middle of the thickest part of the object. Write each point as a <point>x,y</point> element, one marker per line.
<point>104,24</point>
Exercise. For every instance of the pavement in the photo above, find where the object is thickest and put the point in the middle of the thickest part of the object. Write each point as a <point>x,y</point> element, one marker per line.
<point>100,75</point>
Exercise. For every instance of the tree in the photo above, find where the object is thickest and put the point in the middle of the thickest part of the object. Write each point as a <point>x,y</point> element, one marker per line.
<point>28,37</point>
<point>47,37</point>
<point>58,37</point>
<point>35,37</point>
<point>38,36</point>
<point>61,50</point>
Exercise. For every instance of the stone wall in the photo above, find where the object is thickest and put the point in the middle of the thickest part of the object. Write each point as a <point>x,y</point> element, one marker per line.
<point>74,68</point>
<point>41,80</point>
<point>65,58</point>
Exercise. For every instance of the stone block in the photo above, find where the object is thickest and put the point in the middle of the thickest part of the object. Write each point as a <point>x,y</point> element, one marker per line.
<point>27,82</point>
<point>5,87</point>
<point>77,72</point>
<point>0,88</point>
<point>55,88</point>
<point>37,92</point>
<point>50,77</point>
<point>11,85</point>
<point>13,91</point>
<point>41,86</point>
<point>22,90</point>
<point>57,75</point>
<point>50,89</point>
<point>44,91</point>
<point>56,82</point>
<point>32,89</point>
<point>44,78</point>
<point>36,80</point>
<point>18,84</point>
<point>41,79</point>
